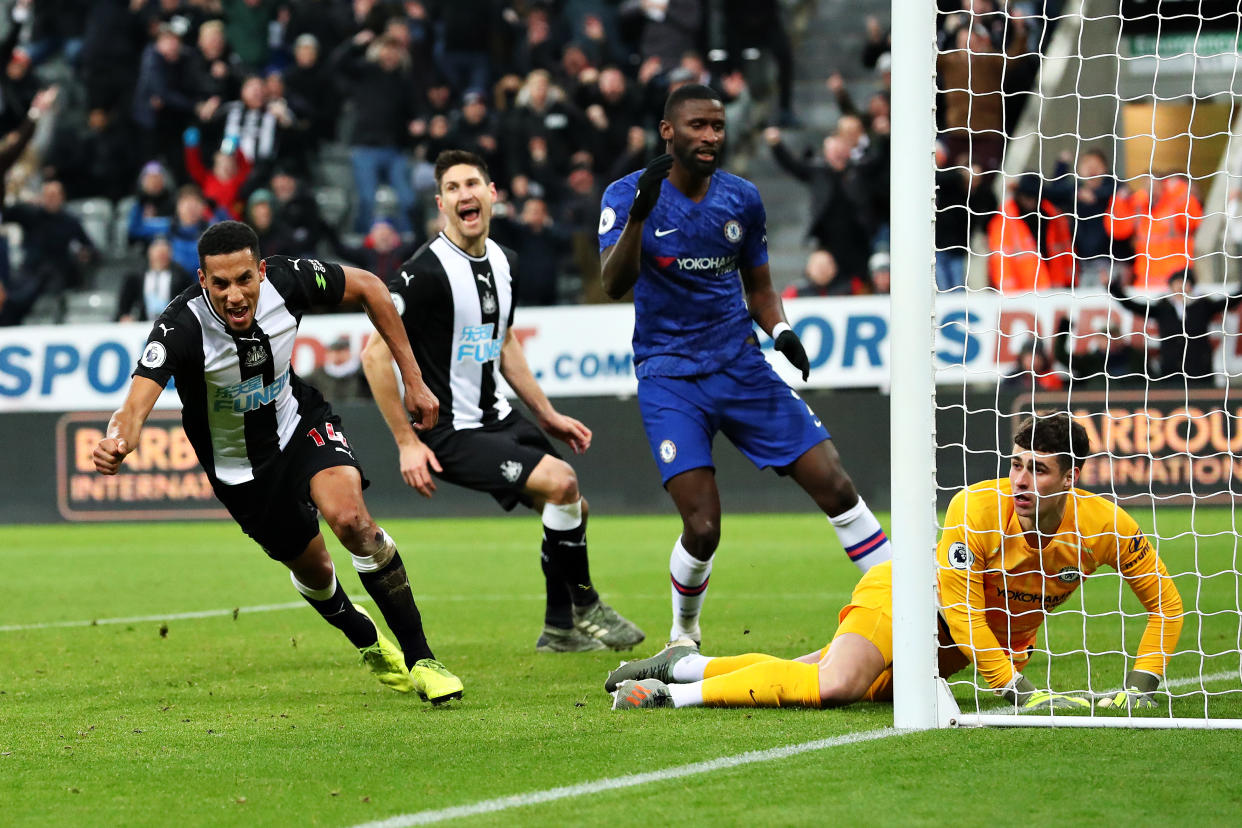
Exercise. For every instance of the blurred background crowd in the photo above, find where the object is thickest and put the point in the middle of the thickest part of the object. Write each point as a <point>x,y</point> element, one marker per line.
<point>129,125</point>
<point>126,126</point>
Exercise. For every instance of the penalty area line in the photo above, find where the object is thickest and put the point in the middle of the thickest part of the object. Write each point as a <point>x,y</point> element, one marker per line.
<point>504,803</point>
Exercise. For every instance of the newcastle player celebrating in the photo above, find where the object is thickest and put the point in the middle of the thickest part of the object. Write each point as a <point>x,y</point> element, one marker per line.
<point>455,296</point>
<point>274,451</point>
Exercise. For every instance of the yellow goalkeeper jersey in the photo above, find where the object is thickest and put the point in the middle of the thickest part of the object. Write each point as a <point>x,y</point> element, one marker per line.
<point>996,589</point>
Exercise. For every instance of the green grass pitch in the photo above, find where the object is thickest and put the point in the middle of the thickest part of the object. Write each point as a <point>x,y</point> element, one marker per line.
<point>267,718</point>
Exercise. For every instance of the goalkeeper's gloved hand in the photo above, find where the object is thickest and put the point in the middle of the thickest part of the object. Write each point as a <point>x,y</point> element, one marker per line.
<point>1043,700</point>
<point>1136,695</point>
<point>788,343</point>
<point>649,183</point>
<point>1024,695</point>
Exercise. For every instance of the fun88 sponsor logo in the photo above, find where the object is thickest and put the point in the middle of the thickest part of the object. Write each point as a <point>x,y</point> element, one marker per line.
<point>477,344</point>
<point>249,394</point>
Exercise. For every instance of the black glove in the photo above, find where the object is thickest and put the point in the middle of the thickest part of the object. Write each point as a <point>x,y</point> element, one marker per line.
<point>789,345</point>
<point>648,192</point>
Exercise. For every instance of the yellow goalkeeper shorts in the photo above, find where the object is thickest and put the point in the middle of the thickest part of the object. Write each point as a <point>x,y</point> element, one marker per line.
<point>869,613</point>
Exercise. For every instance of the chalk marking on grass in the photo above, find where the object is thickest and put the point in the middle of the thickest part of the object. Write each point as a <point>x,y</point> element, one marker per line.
<point>224,613</point>
<point>504,803</point>
<point>143,619</point>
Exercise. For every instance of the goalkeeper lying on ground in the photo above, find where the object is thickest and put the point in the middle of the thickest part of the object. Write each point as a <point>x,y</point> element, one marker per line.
<point>1012,550</point>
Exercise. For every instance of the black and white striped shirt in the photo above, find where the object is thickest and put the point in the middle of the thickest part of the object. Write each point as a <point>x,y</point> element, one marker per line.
<point>457,309</point>
<point>241,402</point>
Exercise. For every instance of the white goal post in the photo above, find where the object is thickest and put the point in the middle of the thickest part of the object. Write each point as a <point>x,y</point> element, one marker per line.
<point>1165,88</point>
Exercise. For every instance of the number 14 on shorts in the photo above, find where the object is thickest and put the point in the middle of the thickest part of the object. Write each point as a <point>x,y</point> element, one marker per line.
<point>332,433</point>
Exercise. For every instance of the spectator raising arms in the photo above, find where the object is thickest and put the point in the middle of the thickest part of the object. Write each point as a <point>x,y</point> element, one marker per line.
<point>840,210</point>
<point>221,185</point>
<point>1086,197</point>
<point>382,92</point>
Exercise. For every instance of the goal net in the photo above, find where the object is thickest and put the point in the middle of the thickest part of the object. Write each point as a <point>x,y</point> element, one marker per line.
<point>1066,224</point>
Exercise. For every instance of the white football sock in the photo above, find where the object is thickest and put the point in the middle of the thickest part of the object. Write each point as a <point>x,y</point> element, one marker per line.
<point>310,592</point>
<point>689,576</point>
<point>687,695</point>
<point>862,536</point>
<point>563,516</point>
<point>691,668</point>
<point>381,550</point>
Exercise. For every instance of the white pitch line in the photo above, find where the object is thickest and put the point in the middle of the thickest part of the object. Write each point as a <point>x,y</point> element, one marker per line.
<point>504,803</point>
<point>224,613</point>
<point>143,619</point>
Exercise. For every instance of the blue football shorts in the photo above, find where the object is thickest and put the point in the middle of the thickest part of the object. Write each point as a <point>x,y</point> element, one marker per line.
<point>755,408</point>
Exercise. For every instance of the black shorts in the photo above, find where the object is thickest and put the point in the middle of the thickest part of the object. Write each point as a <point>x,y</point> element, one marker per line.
<point>496,458</point>
<point>275,509</point>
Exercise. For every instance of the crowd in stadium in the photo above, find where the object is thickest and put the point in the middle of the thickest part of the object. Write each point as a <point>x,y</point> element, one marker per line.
<point>316,121</point>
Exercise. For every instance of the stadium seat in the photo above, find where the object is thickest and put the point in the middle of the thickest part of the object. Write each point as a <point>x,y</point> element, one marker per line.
<point>120,227</point>
<point>96,217</point>
<point>333,203</point>
<point>84,306</point>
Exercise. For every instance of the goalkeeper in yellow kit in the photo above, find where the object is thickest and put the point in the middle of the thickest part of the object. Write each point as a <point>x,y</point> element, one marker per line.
<point>1012,550</point>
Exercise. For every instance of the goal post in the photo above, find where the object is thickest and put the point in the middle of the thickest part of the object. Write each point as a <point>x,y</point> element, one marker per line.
<point>912,383</point>
<point>1152,87</point>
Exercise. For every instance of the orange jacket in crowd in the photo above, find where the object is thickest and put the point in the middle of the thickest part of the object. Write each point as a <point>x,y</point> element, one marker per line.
<point>1015,264</point>
<point>1163,236</point>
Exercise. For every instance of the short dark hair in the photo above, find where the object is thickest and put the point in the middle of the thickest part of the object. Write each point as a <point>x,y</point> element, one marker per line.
<point>1055,433</point>
<point>1187,275</point>
<point>1100,154</point>
<point>452,157</point>
<point>227,237</point>
<point>688,92</point>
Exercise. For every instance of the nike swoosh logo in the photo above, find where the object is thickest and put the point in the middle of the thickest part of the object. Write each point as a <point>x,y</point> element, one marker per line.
<point>661,233</point>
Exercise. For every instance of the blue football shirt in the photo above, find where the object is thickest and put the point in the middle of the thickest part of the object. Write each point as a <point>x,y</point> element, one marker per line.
<point>690,313</point>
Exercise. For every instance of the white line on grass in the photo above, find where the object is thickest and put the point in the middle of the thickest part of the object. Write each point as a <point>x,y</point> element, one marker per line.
<point>504,803</point>
<point>221,613</point>
<point>142,619</point>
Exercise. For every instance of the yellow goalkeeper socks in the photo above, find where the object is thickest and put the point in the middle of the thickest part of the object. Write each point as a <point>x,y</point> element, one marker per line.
<point>769,683</point>
<point>727,664</point>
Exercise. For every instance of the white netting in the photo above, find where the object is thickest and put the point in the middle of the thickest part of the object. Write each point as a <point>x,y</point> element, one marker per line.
<point>1089,165</point>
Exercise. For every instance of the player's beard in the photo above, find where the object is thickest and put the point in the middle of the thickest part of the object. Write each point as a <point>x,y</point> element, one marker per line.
<point>687,158</point>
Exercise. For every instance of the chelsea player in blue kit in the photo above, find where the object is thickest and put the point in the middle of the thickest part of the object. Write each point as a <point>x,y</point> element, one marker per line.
<point>694,250</point>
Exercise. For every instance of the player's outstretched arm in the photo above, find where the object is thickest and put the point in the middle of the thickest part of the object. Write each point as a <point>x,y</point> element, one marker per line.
<point>1142,569</point>
<point>126,424</point>
<point>415,457</point>
<point>366,288</point>
<point>516,371</point>
<point>768,311</point>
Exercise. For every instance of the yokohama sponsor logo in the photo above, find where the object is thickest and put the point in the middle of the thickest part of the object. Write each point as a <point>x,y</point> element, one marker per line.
<point>708,264</point>
<point>1030,597</point>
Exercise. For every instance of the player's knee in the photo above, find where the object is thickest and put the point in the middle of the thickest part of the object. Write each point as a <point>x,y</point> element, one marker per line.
<point>839,494</point>
<point>701,535</point>
<point>352,526</point>
<point>837,691</point>
<point>564,486</point>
